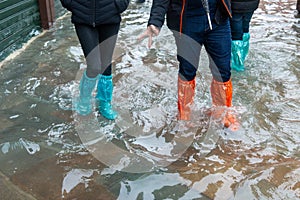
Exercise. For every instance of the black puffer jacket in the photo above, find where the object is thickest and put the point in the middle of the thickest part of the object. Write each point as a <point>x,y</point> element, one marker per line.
<point>96,12</point>
<point>177,10</point>
<point>242,6</point>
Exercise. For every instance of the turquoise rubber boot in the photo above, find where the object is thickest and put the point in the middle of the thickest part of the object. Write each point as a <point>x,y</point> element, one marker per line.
<point>104,97</point>
<point>246,39</point>
<point>237,62</point>
<point>83,104</point>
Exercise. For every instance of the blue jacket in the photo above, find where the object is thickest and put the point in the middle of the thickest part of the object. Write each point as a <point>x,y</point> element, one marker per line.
<point>177,10</point>
<point>96,12</point>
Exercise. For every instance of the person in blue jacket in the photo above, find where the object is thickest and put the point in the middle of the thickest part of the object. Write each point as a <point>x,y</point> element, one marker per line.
<point>242,12</point>
<point>97,24</point>
<point>195,24</point>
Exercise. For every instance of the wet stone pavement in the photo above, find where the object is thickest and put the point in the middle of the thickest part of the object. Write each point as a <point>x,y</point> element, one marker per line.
<point>42,155</point>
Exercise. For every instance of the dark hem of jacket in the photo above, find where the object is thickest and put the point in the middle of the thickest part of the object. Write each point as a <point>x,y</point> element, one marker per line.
<point>175,11</point>
<point>95,12</point>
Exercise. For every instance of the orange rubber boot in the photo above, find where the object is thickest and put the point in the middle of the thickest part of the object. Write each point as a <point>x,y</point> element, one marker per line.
<point>186,92</point>
<point>222,96</point>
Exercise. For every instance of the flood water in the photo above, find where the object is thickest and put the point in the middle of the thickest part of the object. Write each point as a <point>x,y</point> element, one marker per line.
<point>49,152</point>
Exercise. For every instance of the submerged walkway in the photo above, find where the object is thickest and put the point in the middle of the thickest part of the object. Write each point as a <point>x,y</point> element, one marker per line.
<point>42,157</point>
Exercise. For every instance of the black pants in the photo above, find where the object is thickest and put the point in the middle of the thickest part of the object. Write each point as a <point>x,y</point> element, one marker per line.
<point>240,24</point>
<point>98,45</point>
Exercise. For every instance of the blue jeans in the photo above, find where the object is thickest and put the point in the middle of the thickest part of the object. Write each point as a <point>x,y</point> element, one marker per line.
<point>217,43</point>
<point>240,23</point>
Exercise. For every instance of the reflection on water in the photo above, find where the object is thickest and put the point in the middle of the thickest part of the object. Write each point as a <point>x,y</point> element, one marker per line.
<point>47,150</point>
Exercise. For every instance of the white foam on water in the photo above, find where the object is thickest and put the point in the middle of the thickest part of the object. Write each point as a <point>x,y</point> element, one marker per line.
<point>74,178</point>
<point>147,185</point>
<point>14,116</point>
<point>76,53</point>
<point>31,147</point>
<point>5,147</point>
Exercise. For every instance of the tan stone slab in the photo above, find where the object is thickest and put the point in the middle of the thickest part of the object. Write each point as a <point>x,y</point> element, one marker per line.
<point>9,191</point>
<point>57,178</point>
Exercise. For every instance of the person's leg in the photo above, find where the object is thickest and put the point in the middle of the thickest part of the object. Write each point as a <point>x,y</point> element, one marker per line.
<point>236,25</point>
<point>188,52</point>
<point>246,21</point>
<point>107,41</point>
<point>108,34</point>
<point>188,45</point>
<point>88,39</point>
<point>246,34</point>
<point>218,46</point>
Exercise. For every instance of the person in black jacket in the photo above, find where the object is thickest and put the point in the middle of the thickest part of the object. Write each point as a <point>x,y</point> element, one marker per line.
<point>97,23</point>
<point>297,15</point>
<point>242,11</point>
<point>197,23</point>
